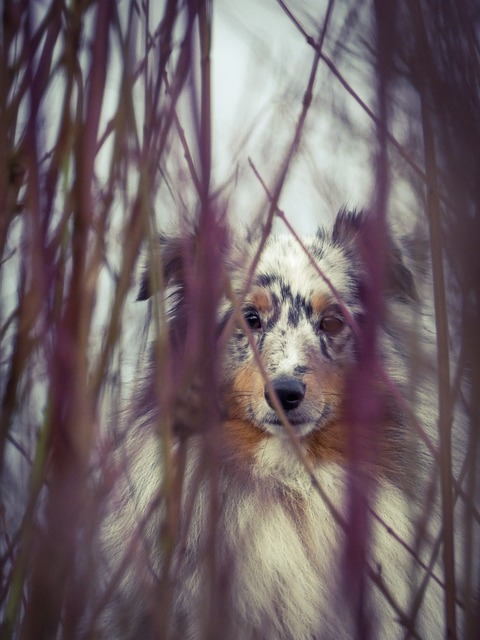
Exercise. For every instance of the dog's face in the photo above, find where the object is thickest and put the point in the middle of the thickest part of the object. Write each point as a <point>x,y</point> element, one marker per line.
<point>291,338</point>
<point>301,311</point>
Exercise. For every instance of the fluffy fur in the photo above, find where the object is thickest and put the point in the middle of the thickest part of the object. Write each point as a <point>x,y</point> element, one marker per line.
<point>223,521</point>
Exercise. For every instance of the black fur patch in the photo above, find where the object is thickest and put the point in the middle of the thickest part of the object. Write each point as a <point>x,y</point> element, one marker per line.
<point>265,280</point>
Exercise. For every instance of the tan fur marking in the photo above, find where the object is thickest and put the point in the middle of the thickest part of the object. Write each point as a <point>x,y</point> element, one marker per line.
<point>328,443</point>
<point>242,439</point>
<point>261,299</point>
<point>241,436</point>
<point>320,301</point>
<point>247,385</point>
<point>333,441</point>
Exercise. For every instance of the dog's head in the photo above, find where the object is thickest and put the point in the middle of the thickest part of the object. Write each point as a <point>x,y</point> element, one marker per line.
<point>289,319</point>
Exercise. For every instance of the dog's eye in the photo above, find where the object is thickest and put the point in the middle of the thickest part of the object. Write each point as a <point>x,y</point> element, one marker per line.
<point>332,320</point>
<point>253,319</point>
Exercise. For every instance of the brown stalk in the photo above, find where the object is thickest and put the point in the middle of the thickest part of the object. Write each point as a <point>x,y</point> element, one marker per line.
<point>441,322</point>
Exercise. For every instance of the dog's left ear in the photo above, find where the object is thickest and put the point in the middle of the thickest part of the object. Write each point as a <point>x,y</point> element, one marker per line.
<point>179,257</point>
<point>352,230</point>
<point>171,253</point>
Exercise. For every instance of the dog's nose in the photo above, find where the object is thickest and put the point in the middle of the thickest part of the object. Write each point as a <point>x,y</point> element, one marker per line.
<point>290,392</point>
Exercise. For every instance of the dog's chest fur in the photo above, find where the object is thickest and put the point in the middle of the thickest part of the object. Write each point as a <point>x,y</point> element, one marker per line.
<point>281,554</point>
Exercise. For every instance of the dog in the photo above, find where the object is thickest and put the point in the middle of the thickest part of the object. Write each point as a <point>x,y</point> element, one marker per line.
<point>273,480</point>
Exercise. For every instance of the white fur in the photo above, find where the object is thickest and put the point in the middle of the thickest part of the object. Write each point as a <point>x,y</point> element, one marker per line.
<point>271,567</point>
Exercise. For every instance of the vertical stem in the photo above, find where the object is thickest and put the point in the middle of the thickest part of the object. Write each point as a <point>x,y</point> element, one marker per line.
<point>206,293</point>
<point>205,32</point>
<point>365,406</point>
<point>441,320</point>
<point>443,363</point>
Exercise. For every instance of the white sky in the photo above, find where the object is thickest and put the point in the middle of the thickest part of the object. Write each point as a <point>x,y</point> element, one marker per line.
<point>260,67</point>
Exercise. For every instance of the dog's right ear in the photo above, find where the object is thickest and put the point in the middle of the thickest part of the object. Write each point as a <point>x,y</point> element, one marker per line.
<point>170,257</point>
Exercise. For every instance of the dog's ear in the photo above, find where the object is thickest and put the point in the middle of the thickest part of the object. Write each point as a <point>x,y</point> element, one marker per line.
<point>170,256</point>
<point>348,226</point>
<point>352,230</point>
<point>400,281</point>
